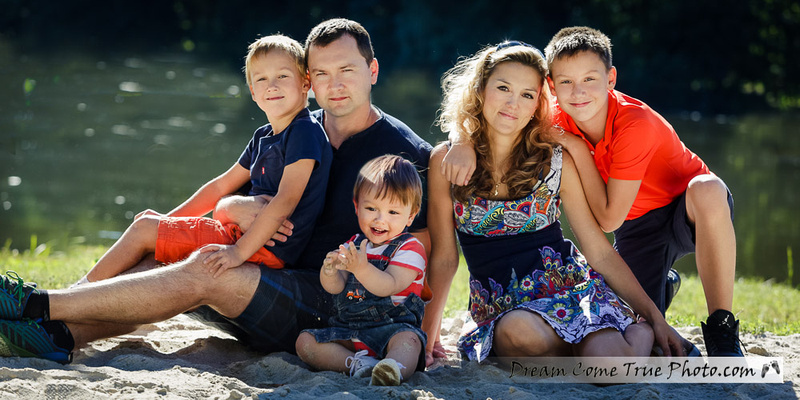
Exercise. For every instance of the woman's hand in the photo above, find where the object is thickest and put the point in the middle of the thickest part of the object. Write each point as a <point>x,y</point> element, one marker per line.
<point>437,352</point>
<point>667,338</point>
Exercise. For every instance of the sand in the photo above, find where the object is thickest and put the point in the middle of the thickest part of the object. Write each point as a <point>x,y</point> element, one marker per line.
<point>183,359</point>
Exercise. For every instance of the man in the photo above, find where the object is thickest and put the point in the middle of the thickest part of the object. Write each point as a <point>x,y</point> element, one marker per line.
<point>264,308</point>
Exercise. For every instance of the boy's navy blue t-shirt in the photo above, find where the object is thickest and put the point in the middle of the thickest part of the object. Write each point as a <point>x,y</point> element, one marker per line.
<point>265,157</point>
<point>338,221</point>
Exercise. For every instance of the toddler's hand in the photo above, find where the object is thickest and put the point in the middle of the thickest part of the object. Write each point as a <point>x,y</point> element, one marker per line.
<point>352,258</point>
<point>329,267</point>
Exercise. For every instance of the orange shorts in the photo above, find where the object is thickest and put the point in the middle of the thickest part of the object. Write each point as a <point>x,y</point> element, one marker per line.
<point>178,237</point>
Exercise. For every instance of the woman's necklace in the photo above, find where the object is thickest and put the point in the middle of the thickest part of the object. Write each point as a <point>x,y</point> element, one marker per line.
<point>497,188</point>
<point>500,167</point>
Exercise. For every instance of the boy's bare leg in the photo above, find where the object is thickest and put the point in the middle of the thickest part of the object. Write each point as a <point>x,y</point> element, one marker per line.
<point>715,240</point>
<point>239,210</point>
<point>242,211</point>
<point>146,264</point>
<point>154,296</point>
<point>404,348</point>
<point>137,241</point>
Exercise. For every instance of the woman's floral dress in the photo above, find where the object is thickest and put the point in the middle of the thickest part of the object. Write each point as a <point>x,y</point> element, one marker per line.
<point>519,259</point>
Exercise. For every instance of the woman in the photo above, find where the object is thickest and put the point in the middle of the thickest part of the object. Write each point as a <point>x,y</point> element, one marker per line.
<point>531,292</point>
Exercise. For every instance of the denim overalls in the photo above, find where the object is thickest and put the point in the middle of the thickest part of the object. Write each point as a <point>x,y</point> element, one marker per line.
<point>359,314</point>
<point>357,308</point>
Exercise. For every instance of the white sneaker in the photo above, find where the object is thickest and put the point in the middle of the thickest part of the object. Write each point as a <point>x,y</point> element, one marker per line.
<point>387,373</point>
<point>360,364</point>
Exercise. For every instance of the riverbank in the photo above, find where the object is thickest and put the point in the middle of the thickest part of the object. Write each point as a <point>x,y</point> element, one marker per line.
<point>182,359</point>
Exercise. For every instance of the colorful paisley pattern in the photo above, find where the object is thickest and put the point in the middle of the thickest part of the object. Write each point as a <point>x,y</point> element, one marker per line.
<point>567,292</point>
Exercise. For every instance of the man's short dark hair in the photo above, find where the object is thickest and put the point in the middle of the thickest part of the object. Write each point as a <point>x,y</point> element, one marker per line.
<point>328,31</point>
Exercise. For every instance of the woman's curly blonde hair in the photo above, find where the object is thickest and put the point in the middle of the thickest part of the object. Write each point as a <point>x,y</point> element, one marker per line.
<point>463,88</point>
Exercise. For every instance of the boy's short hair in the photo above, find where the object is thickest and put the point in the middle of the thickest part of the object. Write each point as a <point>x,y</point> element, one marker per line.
<point>392,176</point>
<point>264,45</point>
<point>573,40</point>
<point>327,32</point>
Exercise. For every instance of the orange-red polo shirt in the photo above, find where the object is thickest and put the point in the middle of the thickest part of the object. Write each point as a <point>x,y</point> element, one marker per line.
<point>639,144</point>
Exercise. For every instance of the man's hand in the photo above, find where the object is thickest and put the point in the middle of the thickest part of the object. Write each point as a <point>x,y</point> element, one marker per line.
<point>283,233</point>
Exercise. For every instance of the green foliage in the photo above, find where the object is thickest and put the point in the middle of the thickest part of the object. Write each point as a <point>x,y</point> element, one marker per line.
<point>760,306</point>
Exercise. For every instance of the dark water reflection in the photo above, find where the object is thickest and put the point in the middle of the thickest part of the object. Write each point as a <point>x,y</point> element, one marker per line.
<point>87,143</point>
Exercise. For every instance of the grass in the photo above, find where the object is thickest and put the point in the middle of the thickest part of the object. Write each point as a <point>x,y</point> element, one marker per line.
<point>760,306</point>
<point>50,270</point>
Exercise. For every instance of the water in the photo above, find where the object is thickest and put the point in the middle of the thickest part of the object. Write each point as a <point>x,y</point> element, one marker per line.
<point>86,143</point>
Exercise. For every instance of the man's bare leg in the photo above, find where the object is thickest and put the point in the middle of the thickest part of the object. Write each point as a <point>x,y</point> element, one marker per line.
<point>85,333</point>
<point>152,296</point>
